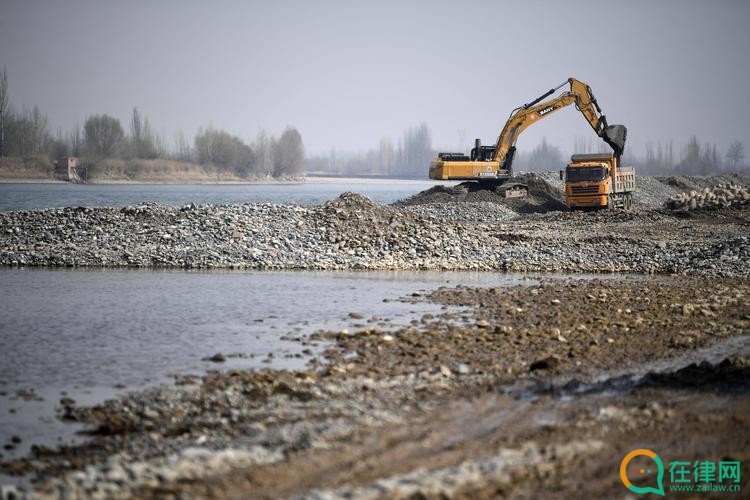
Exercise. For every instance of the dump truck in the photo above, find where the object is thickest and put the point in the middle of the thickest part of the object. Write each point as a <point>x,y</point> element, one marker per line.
<point>598,181</point>
<point>492,166</point>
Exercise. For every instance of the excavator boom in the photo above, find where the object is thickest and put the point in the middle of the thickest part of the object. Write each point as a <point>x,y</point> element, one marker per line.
<point>579,94</point>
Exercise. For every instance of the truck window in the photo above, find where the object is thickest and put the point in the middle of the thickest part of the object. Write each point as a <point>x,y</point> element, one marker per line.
<point>585,174</point>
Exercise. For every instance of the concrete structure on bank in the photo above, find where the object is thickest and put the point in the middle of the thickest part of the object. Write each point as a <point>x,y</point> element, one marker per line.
<point>66,169</point>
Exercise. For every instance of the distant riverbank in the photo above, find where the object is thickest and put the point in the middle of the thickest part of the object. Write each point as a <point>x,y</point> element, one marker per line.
<point>38,195</point>
<point>263,181</point>
<point>41,170</point>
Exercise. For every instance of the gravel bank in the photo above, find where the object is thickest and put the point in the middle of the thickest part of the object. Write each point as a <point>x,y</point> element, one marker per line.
<point>352,232</point>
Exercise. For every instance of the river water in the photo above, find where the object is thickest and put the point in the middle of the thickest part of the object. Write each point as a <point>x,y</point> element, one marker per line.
<point>91,334</point>
<point>32,196</point>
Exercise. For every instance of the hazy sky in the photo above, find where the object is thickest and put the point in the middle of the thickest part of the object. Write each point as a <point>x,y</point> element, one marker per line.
<point>347,73</point>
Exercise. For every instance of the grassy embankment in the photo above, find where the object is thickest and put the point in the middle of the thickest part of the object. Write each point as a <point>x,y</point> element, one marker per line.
<point>113,171</point>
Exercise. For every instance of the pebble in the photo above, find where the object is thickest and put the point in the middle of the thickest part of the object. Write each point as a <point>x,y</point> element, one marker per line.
<point>462,368</point>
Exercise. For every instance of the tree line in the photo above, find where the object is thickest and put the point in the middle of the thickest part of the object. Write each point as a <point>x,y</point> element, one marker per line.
<point>409,157</point>
<point>27,133</point>
<point>694,158</point>
<point>412,154</point>
<point>657,158</point>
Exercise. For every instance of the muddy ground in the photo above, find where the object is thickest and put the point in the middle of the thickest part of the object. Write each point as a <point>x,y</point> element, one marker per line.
<point>532,391</point>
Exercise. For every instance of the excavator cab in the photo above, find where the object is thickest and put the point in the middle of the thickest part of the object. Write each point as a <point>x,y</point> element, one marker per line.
<point>482,153</point>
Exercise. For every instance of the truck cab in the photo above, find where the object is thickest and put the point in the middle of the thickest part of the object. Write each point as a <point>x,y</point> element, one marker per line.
<point>598,181</point>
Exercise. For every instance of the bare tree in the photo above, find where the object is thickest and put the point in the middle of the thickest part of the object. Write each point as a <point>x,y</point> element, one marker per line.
<point>710,159</point>
<point>332,163</point>
<point>262,146</point>
<point>386,156</point>
<point>39,132</point>
<point>59,147</point>
<point>415,151</point>
<point>650,158</point>
<point>545,157</point>
<point>182,147</point>
<point>3,109</point>
<point>223,150</point>
<point>144,144</point>
<point>74,140</point>
<point>691,161</point>
<point>289,154</point>
<point>103,135</point>
<point>736,153</point>
<point>461,132</point>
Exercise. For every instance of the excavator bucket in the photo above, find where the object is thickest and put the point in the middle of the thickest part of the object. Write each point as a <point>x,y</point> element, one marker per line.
<point>615,136</point>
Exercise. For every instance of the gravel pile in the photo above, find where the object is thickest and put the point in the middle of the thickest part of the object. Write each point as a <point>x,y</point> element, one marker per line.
<point>120,478</point>
<point>546,194</point>
<point>231,420</point>
<point>712,198</point>
<point>352,232</point>
<point>543,196</point>
<point>479,212</point>
<point>553,179</point>
<point>697,183</point>
<point>650,192</point>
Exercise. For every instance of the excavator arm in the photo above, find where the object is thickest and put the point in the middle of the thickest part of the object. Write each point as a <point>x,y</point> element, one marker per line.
<point>579,94</point>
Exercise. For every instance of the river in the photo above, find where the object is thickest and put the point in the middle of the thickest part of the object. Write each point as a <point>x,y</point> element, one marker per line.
<point>34,196</point>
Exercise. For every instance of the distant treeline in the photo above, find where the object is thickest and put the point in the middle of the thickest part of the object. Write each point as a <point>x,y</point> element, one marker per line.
<point>690,159</point>
<point>412,155</point>
<point>26,133</point>
<point>409,157</point>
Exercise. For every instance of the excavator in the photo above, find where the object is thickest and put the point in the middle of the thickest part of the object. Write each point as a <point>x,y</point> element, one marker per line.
<point>492,166</point>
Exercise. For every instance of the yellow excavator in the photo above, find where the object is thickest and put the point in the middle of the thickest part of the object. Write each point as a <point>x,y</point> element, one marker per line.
<point>492,165</point>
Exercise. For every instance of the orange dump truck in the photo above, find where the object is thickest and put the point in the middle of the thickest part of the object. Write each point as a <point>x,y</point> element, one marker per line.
<point>598,181</point>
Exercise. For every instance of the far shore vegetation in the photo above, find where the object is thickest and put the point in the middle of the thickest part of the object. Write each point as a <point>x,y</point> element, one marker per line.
<point>110,151</point>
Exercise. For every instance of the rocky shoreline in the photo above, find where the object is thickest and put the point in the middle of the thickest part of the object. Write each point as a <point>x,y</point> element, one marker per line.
<point>477,398</point>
